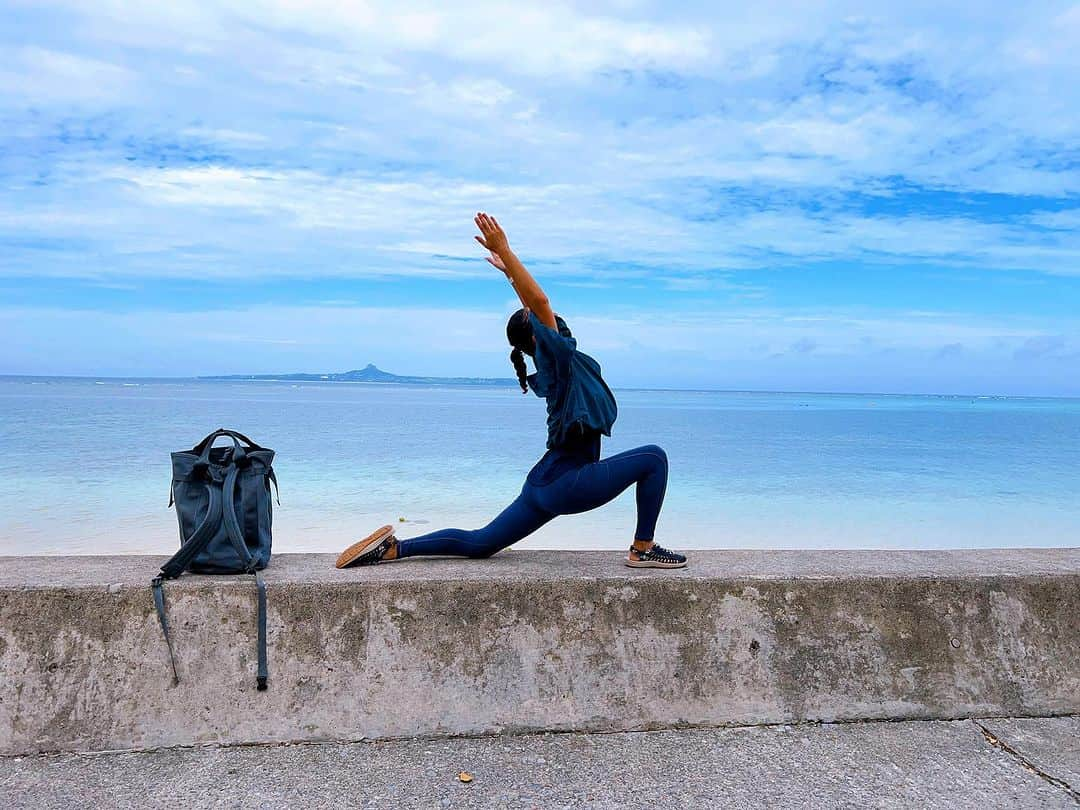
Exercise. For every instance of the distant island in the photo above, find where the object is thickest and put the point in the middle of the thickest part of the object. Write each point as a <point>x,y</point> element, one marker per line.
<point>369,374</point>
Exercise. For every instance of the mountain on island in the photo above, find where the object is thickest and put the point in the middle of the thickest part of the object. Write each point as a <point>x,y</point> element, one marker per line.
<point>369,374</point>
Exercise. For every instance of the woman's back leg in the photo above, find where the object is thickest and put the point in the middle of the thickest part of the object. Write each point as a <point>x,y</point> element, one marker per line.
<point>520,519</point>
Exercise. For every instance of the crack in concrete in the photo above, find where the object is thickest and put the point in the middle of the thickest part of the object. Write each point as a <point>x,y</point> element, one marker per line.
<point>1026,763</point>
<point>539,732</point>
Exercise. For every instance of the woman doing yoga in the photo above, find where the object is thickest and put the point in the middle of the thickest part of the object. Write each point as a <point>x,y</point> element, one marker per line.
<point>570,477</point>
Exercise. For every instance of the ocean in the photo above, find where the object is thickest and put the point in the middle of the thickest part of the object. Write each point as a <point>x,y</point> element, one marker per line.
<point>84,464</point>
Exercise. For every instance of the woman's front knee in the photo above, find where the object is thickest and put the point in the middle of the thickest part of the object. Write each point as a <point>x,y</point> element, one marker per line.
<point>656,450</point>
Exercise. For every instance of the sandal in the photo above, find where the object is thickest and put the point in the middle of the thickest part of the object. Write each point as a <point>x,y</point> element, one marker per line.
<point>368,551</point>
<point>656,557</point>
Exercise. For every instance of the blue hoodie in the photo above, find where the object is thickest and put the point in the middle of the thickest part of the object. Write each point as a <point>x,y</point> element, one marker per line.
<point>580,405</point>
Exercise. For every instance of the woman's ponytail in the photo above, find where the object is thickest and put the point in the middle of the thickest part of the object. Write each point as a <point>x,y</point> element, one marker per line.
<point>517,357</point>
<point>519,333</point>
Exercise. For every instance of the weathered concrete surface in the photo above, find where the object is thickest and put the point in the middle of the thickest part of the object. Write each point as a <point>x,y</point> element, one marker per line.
<point>533,641</point>
<point>1050,746</point>
<point>859,765</point>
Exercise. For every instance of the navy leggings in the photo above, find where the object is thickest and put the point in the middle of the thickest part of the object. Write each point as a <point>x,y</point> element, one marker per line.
<point>580,490</point>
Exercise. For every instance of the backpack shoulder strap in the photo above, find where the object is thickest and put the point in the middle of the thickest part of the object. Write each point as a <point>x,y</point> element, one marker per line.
<point>196,542</point>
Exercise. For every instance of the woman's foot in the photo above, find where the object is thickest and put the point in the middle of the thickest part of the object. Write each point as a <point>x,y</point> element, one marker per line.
<point>379,546</point>
<point>646,554</point>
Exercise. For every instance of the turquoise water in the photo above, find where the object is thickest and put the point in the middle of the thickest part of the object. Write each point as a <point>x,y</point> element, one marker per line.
<point>84,464</point>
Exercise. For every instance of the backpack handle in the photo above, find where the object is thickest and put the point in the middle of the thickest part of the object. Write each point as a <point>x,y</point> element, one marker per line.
<point>203,447</point>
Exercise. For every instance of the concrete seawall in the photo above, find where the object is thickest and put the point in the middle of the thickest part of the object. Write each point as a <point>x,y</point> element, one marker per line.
<point>530,641</point>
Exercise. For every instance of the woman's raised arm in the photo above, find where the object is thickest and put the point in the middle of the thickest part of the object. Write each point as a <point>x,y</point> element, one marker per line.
<point>528,290</point>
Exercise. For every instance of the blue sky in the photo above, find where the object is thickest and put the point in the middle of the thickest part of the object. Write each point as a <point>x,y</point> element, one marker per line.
<point>794,196</point>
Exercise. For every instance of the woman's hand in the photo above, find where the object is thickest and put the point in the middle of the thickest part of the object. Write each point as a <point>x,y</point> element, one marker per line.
<point>503,257</point>
<point>493,237</point>
<point>495,260</point>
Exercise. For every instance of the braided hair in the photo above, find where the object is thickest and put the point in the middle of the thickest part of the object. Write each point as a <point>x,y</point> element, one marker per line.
<point>518,359</point>
<point>519,331</point>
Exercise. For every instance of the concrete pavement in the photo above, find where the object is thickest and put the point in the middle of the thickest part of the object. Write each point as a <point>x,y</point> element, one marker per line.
<point>982,764</point>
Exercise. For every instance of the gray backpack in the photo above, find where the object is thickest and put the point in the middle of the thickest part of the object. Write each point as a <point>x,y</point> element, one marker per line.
<point>222,497</point>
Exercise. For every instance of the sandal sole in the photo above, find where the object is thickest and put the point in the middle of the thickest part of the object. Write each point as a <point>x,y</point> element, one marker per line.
<point>653,564</point>
<point>349,555</point>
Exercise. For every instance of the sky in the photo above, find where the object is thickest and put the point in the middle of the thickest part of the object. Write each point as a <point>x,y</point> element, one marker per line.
<point>812,196</point>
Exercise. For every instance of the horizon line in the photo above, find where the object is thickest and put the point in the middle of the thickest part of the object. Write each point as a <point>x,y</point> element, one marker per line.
<point>215,378</point>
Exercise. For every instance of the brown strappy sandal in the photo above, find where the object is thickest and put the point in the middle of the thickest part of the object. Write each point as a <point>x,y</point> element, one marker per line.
<point>367,551</point>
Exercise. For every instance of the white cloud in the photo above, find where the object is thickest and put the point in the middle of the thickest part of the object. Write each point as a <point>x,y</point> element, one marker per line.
<point>841,96</point>
<point>298,138</point>
<point>1065,220</point>
<point>272,222</point>
<point>230,136</point>
<point>438,208</point>
<point>34,75</point>
<point>485,92</point>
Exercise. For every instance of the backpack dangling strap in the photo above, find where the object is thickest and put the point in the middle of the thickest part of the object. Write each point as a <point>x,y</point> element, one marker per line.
<point>236,537</point>
<point>159,603</point>
<point>261,674</point>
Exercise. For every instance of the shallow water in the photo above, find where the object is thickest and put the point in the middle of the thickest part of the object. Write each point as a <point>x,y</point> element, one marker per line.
<point>84,464</point>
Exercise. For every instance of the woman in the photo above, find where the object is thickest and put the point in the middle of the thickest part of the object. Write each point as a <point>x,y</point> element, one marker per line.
<point>570,478</point>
